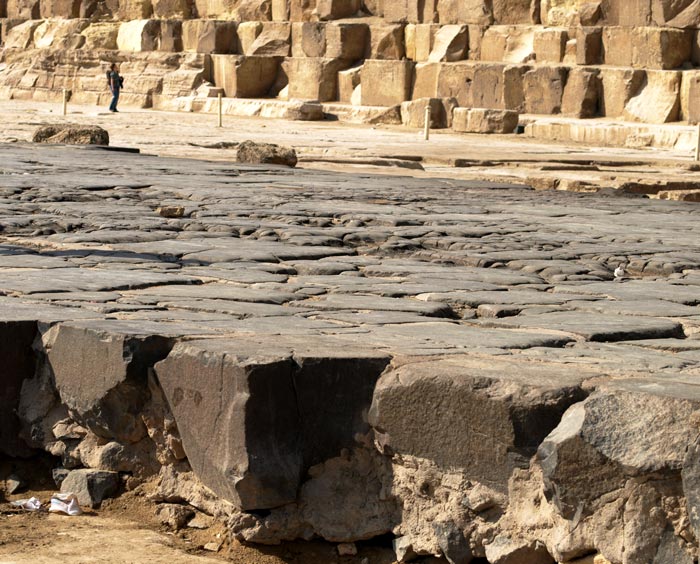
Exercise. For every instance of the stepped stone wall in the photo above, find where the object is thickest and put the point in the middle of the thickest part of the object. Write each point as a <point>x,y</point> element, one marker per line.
<point>636,61</point>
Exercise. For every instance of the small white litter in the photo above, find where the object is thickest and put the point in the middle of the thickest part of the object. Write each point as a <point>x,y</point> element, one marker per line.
<point>31,504</point>
<point>65,503</point>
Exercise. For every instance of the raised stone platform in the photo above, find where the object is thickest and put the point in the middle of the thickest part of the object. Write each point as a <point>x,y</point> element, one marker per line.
<point>307,353</point>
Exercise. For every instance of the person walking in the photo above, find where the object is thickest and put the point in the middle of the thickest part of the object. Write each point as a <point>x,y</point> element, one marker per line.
<point>115,85</point>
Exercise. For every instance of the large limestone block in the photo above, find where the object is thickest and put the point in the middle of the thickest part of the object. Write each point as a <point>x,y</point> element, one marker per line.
<point>485,417</point>
<point>410,11</point>
<point>450,44</point>
<point>302,10</point>
<point>618,46</point>
<point>386,83</point>
<point>582,93</point>
<point>100,373</point>
<point>680,14</point>
<point>508,44</point>
<point>101,36</point>
<point>550,45</point>
<point>481,120</point>
<point>513,12</point>
<point>498,86</point>
<point>336,9</point>
<point>464,12</point>
<point>245,76</point>
<point>348,81</point>
<point>170,37</point>
<point>661,48</point>
<point>313,79</point>
<point>60,8</point>
<point>696,48</point>
<point>308,39</point>
<point>182,82</point>
<point>386,42</point>
<point>658,100</point>
<point>274,40</point>
<point>589,45</point>
<point>253,10</point>
<point>21,36</point>
<point>135,10</point>
<point>23,9</point>
<point>139,35</point>
<point>425,80</point>
<point>543,89</point>
<point>209,36</point>
<point>280,10</point>
<point>424,41</point>
<point>16,337</point>
<point>60,34</point>
<point>253,422</point>
<point>247,34</point>
<point>690,96</point>
<point>216,9</point>
<point>181,9</point>
<point>619,85</point>
<point>413,112</point>
<point>348,41</point>
<point>455,81</point>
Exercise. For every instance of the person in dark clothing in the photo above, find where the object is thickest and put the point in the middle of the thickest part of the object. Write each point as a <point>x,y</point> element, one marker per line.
<point>115,85</point>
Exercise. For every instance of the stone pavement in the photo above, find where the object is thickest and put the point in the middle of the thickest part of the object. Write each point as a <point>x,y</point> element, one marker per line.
<point>291,311</point>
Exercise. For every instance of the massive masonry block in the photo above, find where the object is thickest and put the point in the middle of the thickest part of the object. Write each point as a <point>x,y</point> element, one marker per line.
<point>181,9</point>
<point>543,89</point>
<point>509,44</point>
<point>348,41</point>
<point>209,36</point>
<point>493,414</point>
<point>386,83</point>
<point>309,39</point>
<point>619,85</point>
<point>60,34</point>
<point>101,36</point>
<point>16,338</point>
<point>135,10</point>
<point>100,371</point>
<point>690,96</point>
<point>313,79</point>
<point>413,112</point>
<point>424,38</point>
<point>450,44</point>
<point>480,120</point>
<point>550,45</point>
<point>464,11</point>
<point>498,86</point>
<point>582,93</point>
<point>274,40</point>
<point>253,422</point>
<point>243,76</point>
<point>60,9</point>
<point>589,45</point>
<point>139,35</point>
<point>336,9</point>
<point>386,42</point>
<point>658,100</point>
<point>23,9</point>
<point>647,47</point>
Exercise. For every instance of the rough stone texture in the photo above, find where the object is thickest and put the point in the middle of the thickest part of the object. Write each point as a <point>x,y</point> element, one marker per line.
<point>266,153</point>
<point>91,487</point>
<point>385,83</point>
<point>245,76</point>
<point>71,134</point>
<point>480,120</point>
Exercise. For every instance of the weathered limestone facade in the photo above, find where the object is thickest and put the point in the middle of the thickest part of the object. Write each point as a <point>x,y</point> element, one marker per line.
<point>630,61</point>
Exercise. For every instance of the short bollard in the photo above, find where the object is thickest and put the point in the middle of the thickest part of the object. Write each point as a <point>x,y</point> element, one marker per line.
<point>697,145</point>
<point>65,102</point>
<point>221,110</point>
<point>426,131</point>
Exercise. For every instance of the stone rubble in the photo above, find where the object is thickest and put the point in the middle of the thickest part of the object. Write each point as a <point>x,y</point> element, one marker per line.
<point>309,354</point>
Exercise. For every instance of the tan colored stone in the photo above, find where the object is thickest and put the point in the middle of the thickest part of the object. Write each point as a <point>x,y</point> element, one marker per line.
<point>215,9</point>
<point>386,83</point>
<point>681,13</point>
<point>425,80</point>
<point>512,12</point>
<point>247,34</point>
<point>425,39</point>
<point>181,9</point>
<point>253,10</point>
<point>582,93</point>
<point>661,48</point>
<point>308,39</point>
<point>451,42</point>
<point>135,10</point>
<point>455,81</point>
<point>336,9</point>
<point>182,82</point>
<point>498,86</point>
<point>313,79</point>
<point>280,10</point>
<point>209,36</point>
<point>60,34</point>
<point>464,12</point>
<point>386,42</point>
<point>302,10</point>
<point>101,36</point>
<point>508,44</point>
<point>348,81</point>
<point>589,45</point>
<point>273,41</point>
<point>690,97</point>
<point>481,120</point>
<point>347,41</point>
<point>170,38</point>
<point>138,35</point>
<point>476,35</point>
<point>409,39</point>
<point>619,85</point>
<point>244,76</point>
<point>550,45</point>
<point>658,100</point>
<point>696,48</point>
<point>570,52</point>
<point>21,36</point>
<point>543,89</point>
<point>680,195</point>
<point>23,9</point>
<point>413,112</point>
<point>60,9</point>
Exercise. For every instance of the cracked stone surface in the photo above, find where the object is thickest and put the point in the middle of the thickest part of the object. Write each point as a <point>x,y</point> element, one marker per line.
<point>458,357</point>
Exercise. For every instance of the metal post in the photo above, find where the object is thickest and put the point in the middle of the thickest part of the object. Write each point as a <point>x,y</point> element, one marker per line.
<point>65,102</point>
<point>220,110</point>
<point>697,145</point>
<point>426,130</point>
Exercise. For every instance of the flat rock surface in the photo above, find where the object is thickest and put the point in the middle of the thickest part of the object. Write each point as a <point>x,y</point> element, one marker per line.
<point>406,265</point>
